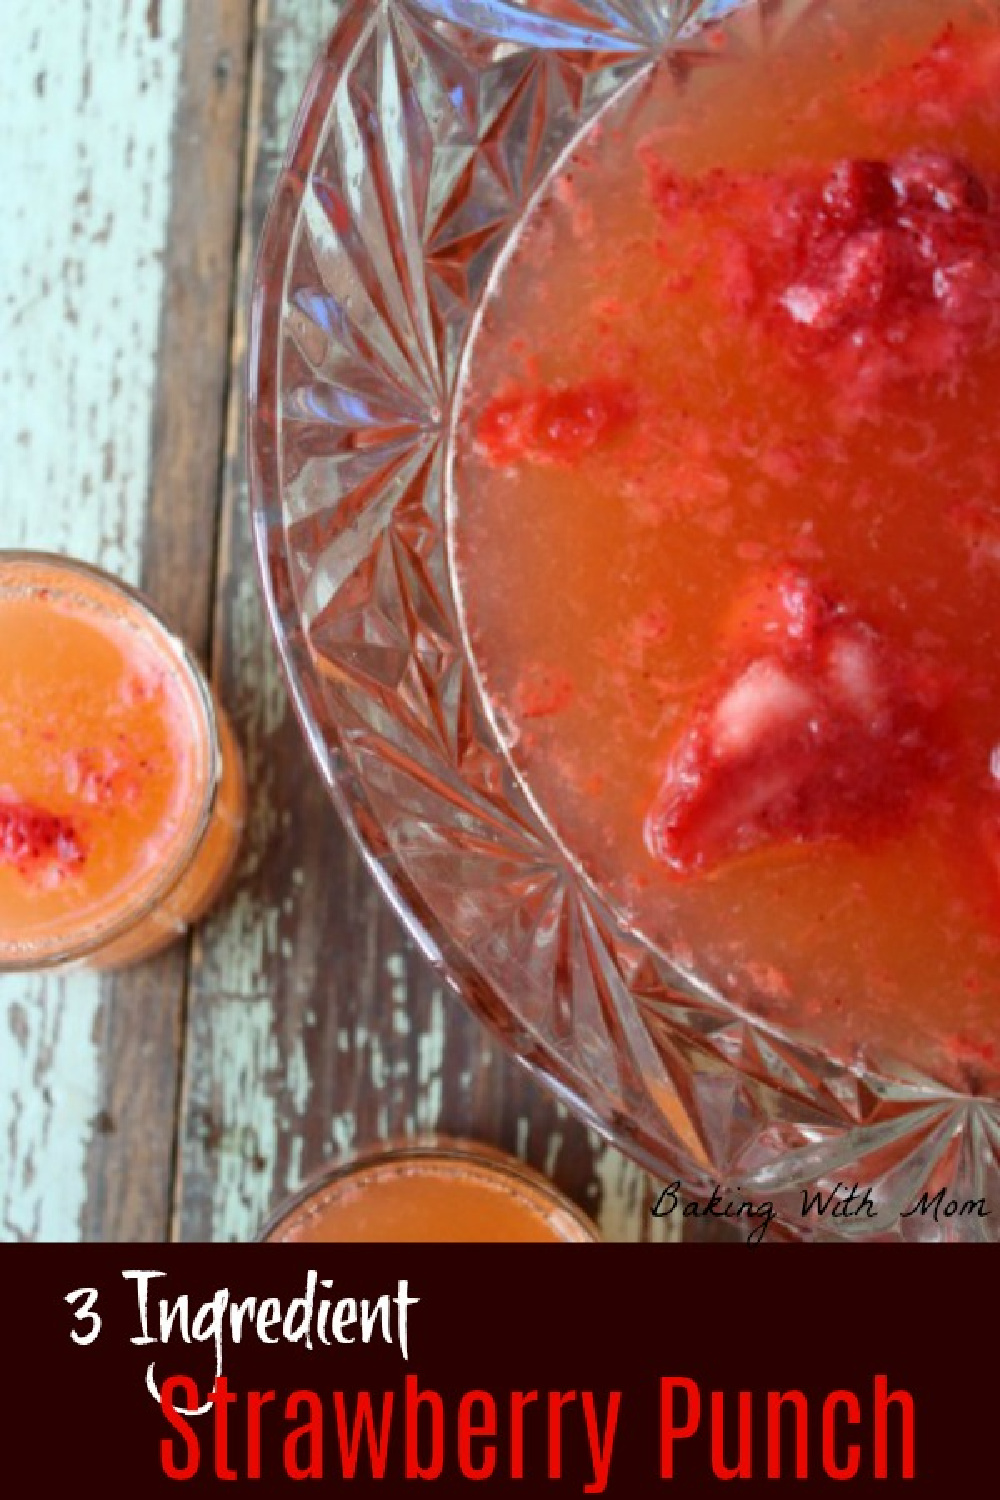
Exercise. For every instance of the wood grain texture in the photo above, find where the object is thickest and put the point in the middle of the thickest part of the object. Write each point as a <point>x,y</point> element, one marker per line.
<point>315,1028</point>
<point>115,244</point>
<point>182,514</point>
<point>89,97</point>
<point>131,1158</point>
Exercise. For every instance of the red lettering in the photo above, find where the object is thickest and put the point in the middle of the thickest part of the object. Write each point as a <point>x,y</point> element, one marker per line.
<point>557,1400</point>
<point>907,1451</point>
<point>744,1437</point>
<point>600,1447</point>
<point>364,1419</point>
<point>222,1398</point>
<point>310,1432</point>
<point>431,1401</point>
<point>189,1393</point>
<point>255,1401</point>
<point>670,1432</point>
<point>469,1431</point>
<point>831,1466</point>
<point>518,1401</point>
<point>775,1401</point>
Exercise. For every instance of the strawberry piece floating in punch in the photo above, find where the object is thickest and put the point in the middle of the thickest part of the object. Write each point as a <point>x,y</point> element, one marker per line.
<point>957,78</point>
<point>821,729</point>
<point>894,269</point>
<point>554,424</point>
<point>32,840</point>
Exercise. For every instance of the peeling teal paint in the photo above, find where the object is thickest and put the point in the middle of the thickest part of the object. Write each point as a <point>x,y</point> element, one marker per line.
<point>88,95</point>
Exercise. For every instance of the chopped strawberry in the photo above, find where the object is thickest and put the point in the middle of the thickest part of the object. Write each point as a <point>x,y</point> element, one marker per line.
<point>31,838</point>
<point>825,730</point>
<point>925,179</point>
<point>856,192</point>
<point>554,424</point>
<point>978,524</point>
<point>899,272</point>
<point>956,76</point>
<point>645,631</point>
<point>872,272</point>
<point>777,606</point>
<point>971,1049</point>
<point>542,691</point>
<point>858,277</point>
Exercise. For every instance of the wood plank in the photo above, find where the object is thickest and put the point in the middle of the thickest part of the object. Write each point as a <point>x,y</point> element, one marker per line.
<point>182,515</point>
<point>314,1026</point>
<point>115,241</point>
<point>131,1159</point>
<point>83,281</point>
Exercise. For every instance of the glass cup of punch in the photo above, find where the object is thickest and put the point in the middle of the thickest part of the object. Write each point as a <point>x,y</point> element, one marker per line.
<point>606,616</point>
<point>122,791</point>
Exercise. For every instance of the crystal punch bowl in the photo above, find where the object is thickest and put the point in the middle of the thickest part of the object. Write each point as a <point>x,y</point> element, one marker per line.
<point>428,132</point>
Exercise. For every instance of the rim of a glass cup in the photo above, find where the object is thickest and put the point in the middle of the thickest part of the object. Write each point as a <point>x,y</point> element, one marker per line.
<point>457,1152</point>
<point>50,956</point>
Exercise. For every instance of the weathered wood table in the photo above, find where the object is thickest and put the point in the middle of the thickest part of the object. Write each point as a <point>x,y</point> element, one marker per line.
<point>139,142</point>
